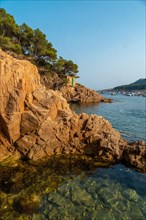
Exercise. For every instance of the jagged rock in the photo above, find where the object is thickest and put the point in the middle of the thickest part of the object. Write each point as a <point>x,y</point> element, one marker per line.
<point>25,143</point>
<point>18,78</point>
<point>6,149</point>
<point>135,155</point>
<point>35,122</point>
<point>28,122</point>
<point>82,94</point>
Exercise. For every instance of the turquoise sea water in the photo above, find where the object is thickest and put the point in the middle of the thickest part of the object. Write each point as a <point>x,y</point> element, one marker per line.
<point>65,189</point>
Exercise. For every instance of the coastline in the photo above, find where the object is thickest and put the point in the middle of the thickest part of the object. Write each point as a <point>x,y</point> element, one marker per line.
<point>36,122</point>
<point>48,153</point>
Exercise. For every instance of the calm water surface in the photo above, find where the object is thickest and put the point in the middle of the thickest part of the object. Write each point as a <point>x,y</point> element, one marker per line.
<point>69,190</point>
<point>127,114</point>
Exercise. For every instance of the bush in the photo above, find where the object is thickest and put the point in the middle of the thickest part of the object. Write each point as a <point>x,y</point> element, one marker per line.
<point>6,44</point>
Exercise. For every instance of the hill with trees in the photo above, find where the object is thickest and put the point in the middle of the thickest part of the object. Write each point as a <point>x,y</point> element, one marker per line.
<point>137,85</point>
<point>23,40</point>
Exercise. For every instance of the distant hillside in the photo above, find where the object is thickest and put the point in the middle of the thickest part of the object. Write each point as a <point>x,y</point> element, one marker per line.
<point>137,85</point>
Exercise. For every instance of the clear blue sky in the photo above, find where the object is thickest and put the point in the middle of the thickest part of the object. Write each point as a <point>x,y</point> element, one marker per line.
<point>105,38</point>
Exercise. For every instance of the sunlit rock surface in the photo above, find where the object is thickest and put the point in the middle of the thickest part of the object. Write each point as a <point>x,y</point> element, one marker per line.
<point>35,122</point>
<point>82,94</point>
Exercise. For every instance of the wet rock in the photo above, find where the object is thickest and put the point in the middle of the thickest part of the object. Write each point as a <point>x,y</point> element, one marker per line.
<point>130,195</point>
<point>134,155</point>
<point>11,180</point>
<point>38,217</point>
<point>27,204</point>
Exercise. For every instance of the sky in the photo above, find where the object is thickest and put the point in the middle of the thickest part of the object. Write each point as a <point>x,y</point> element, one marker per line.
<point>105,38</point>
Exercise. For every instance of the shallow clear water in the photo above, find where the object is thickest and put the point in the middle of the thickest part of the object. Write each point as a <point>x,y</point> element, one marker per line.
<point>68,188</point>
<point>127,114</point>
<point>104,194</point>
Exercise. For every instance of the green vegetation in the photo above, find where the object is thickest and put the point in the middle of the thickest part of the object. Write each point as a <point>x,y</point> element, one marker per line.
<point>65,67</point>
<point>22,39</point>
<point>138,85</point>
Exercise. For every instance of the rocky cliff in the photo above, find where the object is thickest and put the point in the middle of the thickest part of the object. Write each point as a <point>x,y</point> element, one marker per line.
<point>35,122</point>
<point>51,80</point>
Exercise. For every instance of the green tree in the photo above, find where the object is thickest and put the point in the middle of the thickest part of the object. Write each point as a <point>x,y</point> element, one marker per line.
<point>8,31</point>
<point>43,50</point>
<point>7,44</point>
<point>39,43</point>
<point>65,67</point>
<point>50,53</point>
<point>8,26</point>
<point>25,38</point>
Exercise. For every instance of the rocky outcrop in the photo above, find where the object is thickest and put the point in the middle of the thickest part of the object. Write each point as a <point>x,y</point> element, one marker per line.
<point>82,94</point>
<point>76,94</point>
<point>35,122</point>
<point>135,155</point>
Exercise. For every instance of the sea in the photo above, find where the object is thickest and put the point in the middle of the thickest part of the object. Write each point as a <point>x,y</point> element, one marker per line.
<point>126,113</point>
<point>67,190</point>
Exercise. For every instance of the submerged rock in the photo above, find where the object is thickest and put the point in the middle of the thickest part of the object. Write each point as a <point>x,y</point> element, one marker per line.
<point>27,204</point>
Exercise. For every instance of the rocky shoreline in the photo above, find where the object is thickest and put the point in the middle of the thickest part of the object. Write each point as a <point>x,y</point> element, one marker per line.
<point>73,94</point>
<point>81,94</point>
<point>35,122</point>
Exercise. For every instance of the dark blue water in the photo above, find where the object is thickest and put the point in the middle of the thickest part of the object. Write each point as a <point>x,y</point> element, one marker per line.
<point>127,114</point>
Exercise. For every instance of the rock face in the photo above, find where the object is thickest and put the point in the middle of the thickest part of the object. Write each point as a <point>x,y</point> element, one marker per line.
<point>16,87</point>
<point>50,80</point>
<point>78,93</point>
<point>135,155</point>
<point>82,94</point>
<point>35,122</point>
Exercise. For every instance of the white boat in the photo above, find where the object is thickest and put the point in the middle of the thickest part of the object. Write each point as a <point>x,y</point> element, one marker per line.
<point>113,93</point>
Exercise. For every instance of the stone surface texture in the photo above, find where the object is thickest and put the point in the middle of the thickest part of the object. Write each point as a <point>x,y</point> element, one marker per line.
<point>35,122</point>
<point>135,155</point>
<point>82,94</point>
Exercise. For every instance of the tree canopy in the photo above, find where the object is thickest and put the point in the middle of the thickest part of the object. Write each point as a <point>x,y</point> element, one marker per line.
<point>65,67</point>
<point>22,39</point>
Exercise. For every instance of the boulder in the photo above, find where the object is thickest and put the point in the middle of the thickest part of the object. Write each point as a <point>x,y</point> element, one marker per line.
<point>134,155</point>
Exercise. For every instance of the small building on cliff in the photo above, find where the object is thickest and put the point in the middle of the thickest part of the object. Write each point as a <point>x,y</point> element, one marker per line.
<point>71,80</point>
